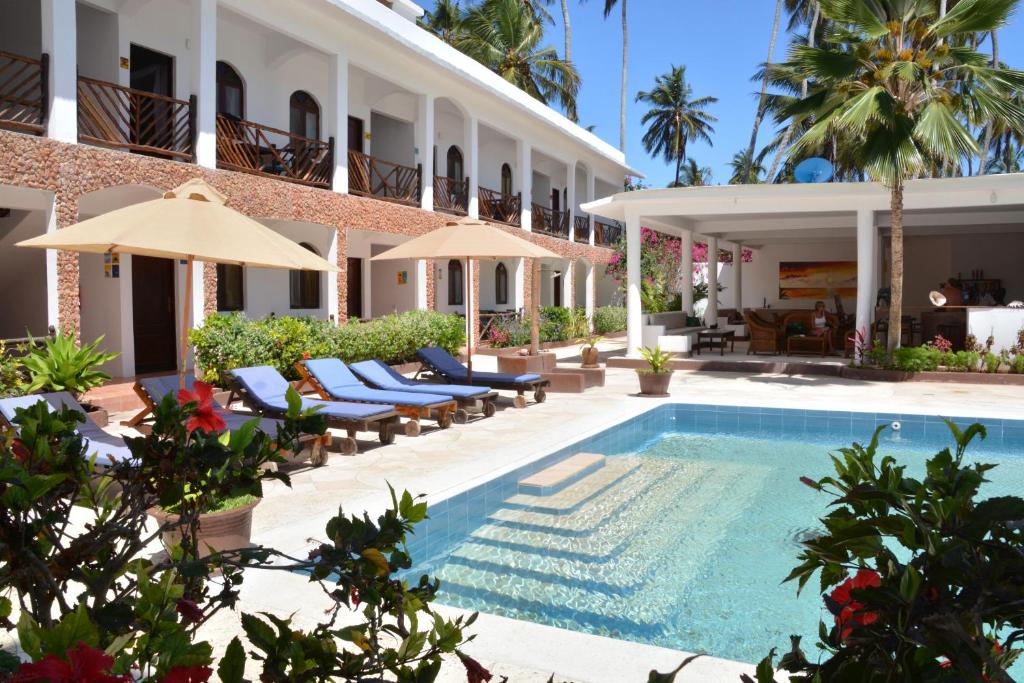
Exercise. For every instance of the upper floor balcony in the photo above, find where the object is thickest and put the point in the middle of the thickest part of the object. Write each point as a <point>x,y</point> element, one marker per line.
<point>254,148</point>
<point>24,92</point>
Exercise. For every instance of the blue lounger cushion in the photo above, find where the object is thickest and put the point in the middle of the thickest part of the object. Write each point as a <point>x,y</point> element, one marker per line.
<point>108,448</point>
<point>335,377</point>
<point>267,388</point>
<point>386,377</point>
<point>158,387</point>
<point>452,369</point>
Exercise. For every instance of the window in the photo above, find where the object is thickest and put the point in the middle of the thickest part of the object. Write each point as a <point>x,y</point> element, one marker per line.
<point>304,285</point>
<point>230,290</point>
<point>500,284</point>
<point>455,169</point>
<point>304,115</point>
<point>454,283</point>
<point>230,91</point>
<point>506,179</point>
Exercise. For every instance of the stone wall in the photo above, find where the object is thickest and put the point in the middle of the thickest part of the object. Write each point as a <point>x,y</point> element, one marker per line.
<point>73,171</point>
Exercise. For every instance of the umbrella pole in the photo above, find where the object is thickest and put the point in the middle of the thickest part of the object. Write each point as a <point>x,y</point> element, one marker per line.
<point>185,319</point>
<point>468,285</point>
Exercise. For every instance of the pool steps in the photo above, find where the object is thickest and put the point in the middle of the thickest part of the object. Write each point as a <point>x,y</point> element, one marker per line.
<point>555,478</point>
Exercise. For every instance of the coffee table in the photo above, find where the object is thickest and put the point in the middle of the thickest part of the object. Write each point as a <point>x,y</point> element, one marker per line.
<point>806,344</point>
<point>716,338</point>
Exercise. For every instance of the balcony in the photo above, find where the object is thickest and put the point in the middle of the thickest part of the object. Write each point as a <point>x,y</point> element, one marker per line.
<point>23,92</point>
<point>501,207</point>
<point>550,222</point>
<point>254,148</point>
<point>451,195</point>
<point>581,229</point>
<point>111,115</point>
<point>371,177</point>
<point>607,233</point>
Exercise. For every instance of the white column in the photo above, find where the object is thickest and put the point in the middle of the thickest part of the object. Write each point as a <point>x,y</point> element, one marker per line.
<point>737,277</point>
<point>337,118</point>
<point>568,281</point>
<point>472,160</point>
<point>876,264</point>
<point>570,197</point>
<point>867,265</point>
<point>589,294</point>
<point>198,293</point>
<point>126,334</point>
<point>520,284</point>
<point>425,149</point>
<point>525,182</point>
<point>333,303</point>
<point>204,79</point>
<point>590,197</point>
<point>686,271</point>
<point>59,37</point>
<point>52,280</point>
<point>421,284</point>
<point>634,315</point>
<point>711,312</point>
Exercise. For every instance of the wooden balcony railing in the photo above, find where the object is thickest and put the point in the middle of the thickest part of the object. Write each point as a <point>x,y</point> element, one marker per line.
<point>23,92</point>
<point>607,234</point>
<point>451,195</point>
<point>500,207</point>
<point>581,229</point>
<point>372,177</point>
<point>549,221</point>
<point>254,148</point>
<point>111,115</point>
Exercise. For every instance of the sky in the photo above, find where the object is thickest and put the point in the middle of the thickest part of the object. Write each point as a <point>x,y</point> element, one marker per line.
<point>720,42</point>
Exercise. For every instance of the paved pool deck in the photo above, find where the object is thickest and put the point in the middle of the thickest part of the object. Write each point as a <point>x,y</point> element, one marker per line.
<point>443,463</point>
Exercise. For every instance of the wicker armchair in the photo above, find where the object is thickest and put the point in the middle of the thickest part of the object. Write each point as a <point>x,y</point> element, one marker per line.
<point>765,336</point>
<point>806,318</point>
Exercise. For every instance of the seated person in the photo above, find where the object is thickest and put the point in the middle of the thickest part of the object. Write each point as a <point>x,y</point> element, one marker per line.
<point>820,326</point>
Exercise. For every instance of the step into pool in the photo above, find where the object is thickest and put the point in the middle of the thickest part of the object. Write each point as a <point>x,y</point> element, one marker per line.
<point>681,535</point>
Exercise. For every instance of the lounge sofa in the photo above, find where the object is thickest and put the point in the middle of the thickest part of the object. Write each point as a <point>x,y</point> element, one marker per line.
<point>669,331</point>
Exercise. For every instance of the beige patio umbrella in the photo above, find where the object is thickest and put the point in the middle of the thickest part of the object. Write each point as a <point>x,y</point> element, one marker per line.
<point>472,239</point>
<point>190,222</point>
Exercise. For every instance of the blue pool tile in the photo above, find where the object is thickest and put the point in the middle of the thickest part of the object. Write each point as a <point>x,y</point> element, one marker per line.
<point>727,422</point>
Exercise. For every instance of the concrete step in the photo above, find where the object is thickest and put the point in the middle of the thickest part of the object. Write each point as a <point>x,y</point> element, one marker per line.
<point>555,478</point>
<point>571,497</point>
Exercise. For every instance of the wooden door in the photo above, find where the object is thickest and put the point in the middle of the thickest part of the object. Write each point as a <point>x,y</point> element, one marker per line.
<point>154,314</point>
<point>152,120</point>
<point>354,288</point>
<point>557,284</point>
<point>355,134</point>
<point>555,199</point>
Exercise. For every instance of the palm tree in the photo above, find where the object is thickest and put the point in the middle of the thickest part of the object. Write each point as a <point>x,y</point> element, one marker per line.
<point>609,5</point>
<point>445,21</point>
<point>746,172</point>
<point>693,175</point>
<point>1010,160</point>
<point>889,81</point>
<point>567,52</point>
<point>500,35</point>
<point>674,118</point>
<point>983,160</point>
<point>759,116</point>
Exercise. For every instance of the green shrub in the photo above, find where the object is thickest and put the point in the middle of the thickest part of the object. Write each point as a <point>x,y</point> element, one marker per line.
<point>1017,365</point>
<point>12,375</point>
<point>509,332</point>
<point>61,364</point>
<point>916,358</point>
<point>965,361</point>
<point>233,341</point>
<point>991,362</point>
<point>554,323</point>
<point>608,319</point>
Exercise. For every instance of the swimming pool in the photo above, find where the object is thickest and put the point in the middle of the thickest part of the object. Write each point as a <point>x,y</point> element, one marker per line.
<point>681,535</point>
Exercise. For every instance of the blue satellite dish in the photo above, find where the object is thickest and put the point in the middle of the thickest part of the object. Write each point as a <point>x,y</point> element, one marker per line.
<point>813,170</point>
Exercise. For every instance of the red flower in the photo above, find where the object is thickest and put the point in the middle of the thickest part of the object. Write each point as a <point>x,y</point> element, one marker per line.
<point>189,610</point>
<point>807,481</point>
<point>187,674</point>
<point>21,453</point>
<point>852,613</point>
<point>475,673</point>
<point>84,664</point>
<point>205,416</point>
<point>353,595</point>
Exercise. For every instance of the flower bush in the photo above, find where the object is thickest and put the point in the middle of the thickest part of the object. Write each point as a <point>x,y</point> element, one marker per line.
<point>13,381</point>
<point>938,355</point>
<point>557,324</point>
<point>225,342</point>
<point>609,319</point>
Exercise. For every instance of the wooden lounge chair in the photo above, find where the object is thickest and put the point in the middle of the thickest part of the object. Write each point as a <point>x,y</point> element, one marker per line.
<point>332,379</point>
<point>442,364</point>
<point>382,376</point>
<point>263,390</point>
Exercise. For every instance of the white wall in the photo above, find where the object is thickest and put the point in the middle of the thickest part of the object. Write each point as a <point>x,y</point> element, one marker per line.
<point>21,28</point>
<point>441,287</point>
<point>267,290</point>
<point>608,291</point>
<point>541,189</point>
<point>580,283</point>
<point>97,43</point>
<point>761,276</point>
<point>393,140</point>
<point>448,131</point>
<point>488,295</point>
<point>496,150</point>
<point>22,276</point>
<point>102,300</point>
<point>387,295</point>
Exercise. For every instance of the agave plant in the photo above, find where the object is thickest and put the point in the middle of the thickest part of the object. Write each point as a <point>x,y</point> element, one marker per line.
<point>657,360</point>
<point>62,365</point>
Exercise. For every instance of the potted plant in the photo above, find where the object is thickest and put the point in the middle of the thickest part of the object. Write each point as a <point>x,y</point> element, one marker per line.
<point>655,378</point>
<point>60,364</point>
<point>589,352</point>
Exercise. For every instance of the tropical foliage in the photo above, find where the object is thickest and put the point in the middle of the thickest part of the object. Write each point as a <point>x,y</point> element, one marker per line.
<point>62,364</point>
<point>674,118</point>
<point>693,175</point>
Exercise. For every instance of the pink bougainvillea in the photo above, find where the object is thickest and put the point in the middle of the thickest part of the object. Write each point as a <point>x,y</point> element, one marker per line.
<point>660,256</point>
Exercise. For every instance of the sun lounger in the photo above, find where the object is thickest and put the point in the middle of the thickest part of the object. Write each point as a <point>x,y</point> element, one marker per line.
<point>382,376</point>
<point>442,364</point>
<point>263,390</point>
<point>332,379</point>
<point>153,389</point>
<point>108,448</point>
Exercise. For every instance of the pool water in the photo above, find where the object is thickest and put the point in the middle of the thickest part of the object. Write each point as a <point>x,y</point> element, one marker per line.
<point>684,535</point>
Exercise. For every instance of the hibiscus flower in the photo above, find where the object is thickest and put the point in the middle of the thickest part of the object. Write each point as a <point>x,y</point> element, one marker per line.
<point>205,416</point>
<point>852,613</point>
<point>84,664</point>
<point>475,672</point>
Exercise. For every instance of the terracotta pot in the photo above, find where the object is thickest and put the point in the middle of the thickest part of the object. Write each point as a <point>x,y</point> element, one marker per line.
<point>654,384</point>
<point>225,530</point>
<point>97,415</point>
<point>591,356</point>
